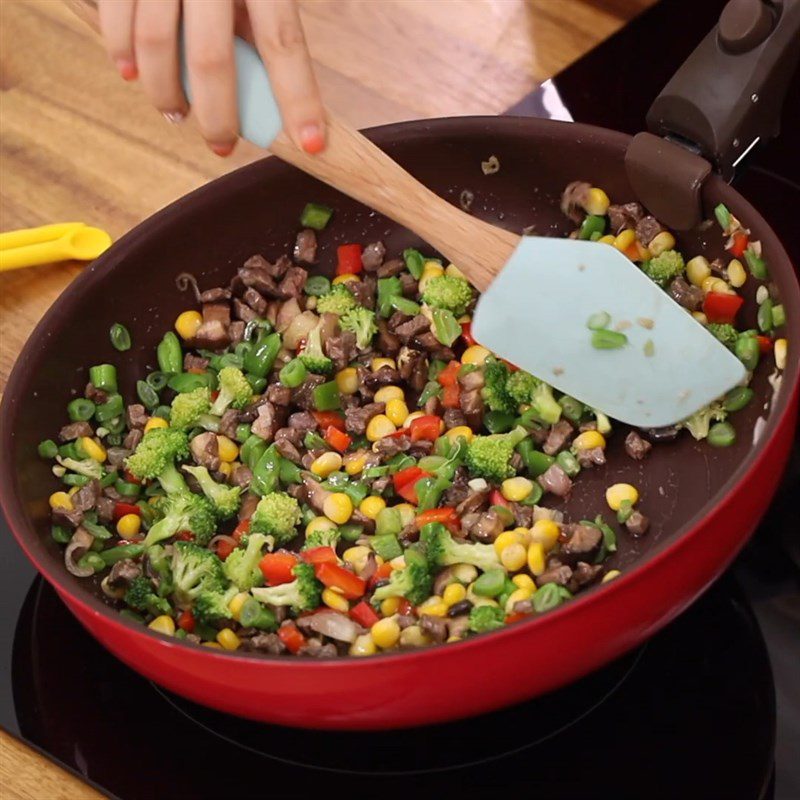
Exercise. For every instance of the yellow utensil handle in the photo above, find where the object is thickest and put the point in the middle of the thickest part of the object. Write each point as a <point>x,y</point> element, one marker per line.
<point>33,254</point>
<point>44,233</point>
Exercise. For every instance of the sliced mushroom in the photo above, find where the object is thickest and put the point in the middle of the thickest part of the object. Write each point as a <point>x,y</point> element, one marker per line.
<point>333,624</point>
<point>77,548</point>
<point>315,493</point>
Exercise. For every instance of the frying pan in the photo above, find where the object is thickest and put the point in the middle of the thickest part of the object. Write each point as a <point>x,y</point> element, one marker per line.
<point>703,502</point>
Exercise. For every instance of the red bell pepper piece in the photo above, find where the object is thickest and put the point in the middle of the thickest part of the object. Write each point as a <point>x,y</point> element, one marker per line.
<point>291,637</point>
<point>764,344</point>
<point>242,529</point>
<point>497,499</point>
<point>451,396</point>
<point>446,515</point>
<point>351,586</point>
<point>186,620</point>
<point>511,367</point>
<point>380,574</point>
<point>364,614</point>
<point>130,477</point>
<point>517,617</point>
<point>466,334</point>
<point>449,375</point>
<point>184,536</point>
<point>214,395</point>
<point>121,509</point>
<point>721,307</point>
<point>328,419</point>
<point>196,371</point>
<point>426,427</point>
<point>348,259</point>
<point>739,244</point>
<point>319,555</point>
<point>405,483</point>
<point>337,439</point>
<point>277,567</point>
<point>224,549</point>
<point>405,607</point>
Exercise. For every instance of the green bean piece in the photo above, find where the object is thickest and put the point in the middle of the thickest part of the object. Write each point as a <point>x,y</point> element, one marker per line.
<point>432,389</point>
<point>592,225</point>
<point>568,463</point>
<point>404,305</point>
<point>157,380</point>
<point>388,522</point>
<point>71,479</point>
<point>534,497</point>
<point>316,216</point>
<point>326,396</point>
<point>80,409</point>
<point>147,513</point>
<point>252,450</point>
<point>290,472</point>
<point>432,463</point>
<point>112,408</point>
<point>293,374</point>
<point>550,596</point>
<point>120,337</point>
<point>266,472</point>
<point>127,489</point>
<point>490,584</point>
<point>68,451</point>
<point>624,512</point>
<point>147,394</point>
<point>536,462</point>
<point>97,530</point>
<point>571,408</point>
<point>256,384</point>
<point>351,532</point>
<point>598,321</point>
<point>116,425</point>
<point>608,340</point>
<point>764,316</point>
<point>189,381</point>
<point>108,479</point>
<point>317,285</point>
<point>747,350</point>
<point>436,366</point>
<point>115,554</point>
<point>104,376</point>
<point>260,359</point>
<point>114,439</point>
<point>723,216</point>
<point>721,434</point>
<point>61,533</point>
<point>256,615</point>
<point>242,349</point>
<point>737,398</point>
<point>609,534</point>
<point>230,360</point>
<point>242,433</point>
<point>778,315</point>
<point>169,353</point>
<point>415,262</point>
<point>756,264</point>
<point>48,449</point>
<point>498,421</point>
<point>93,561</point>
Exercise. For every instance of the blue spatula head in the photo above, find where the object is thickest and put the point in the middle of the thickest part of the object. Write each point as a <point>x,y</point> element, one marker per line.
<point>535,314</point>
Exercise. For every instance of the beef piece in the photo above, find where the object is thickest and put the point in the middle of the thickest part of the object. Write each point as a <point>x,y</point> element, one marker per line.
<point>461,607</point>
<point>303,422</point>
<point>486,528</point>
<point>624,216</point>
<point>587,426</point>
<point>191,361</point>
<point>435,627</point>
<point>391,268</point>
<point>70,519</point>
<point>213,333</point>
<point>97,396</point>
<point>474,502</point>
<point>555,480</point>
<point>559,573</point>
<point>228,423</point>
<point>685,294</point>
<point>73,431</point>
<point>573,198</point>
<point>397,318</point>
<point>421,448</point>
<point>717,267</point>
<point>349,401</point>
<point>132,439</point>
<point>112,494</point>
<point>594,457</point>
<point>557,437</point>
<point>647,229</point>
<point>427,341</point>
<point>303,395</point>
<point>364,291</point>
<point>388,343</point>
<point>215,295</point>
<point>523,515</point>
<point>205,450</point>
<point>236,332</point>
<point>385,376</point>
<point>413,367</point>
<point>455,494</point>
<point>279,395</point>
<point>256,301</point>
<point>275,270</point>
<point>522,607</point>
<point>361,519</point>
<point>314,648</point>
<point>242,476</point>
<point>433,406</point>
<point>242,311</point>
<point>250,412</point>
<point>582,544</point>
<point>309,457</point>
<point>583,575</point>
<point>117,455</point>
<point>105,509</point>
<point>380,485</point>
<point>287,442</point>
<point>305,246</point>
<point>293,282</point>
<point>123,574</point>
<point>392,445</point>
<point>472,408</point>
<point>248,506</point>
<point>410,285</point>
<point>264,643</point>
<point>217,312</point>
<point>357,419</point>
<point>136,416</point>
<point>408,330</point>
<point>406,621</point>
<point>341,349</point>
<point>260,280</point>
<point>637,524</point>
<point>372,257</point>
<point>87,496</point>
<point>454,418</point>
<point>636,447</point>
<point>516,463</point>
<point>265,423</point>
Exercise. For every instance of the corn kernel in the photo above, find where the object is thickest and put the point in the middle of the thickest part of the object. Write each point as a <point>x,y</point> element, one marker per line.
<point>347,380</point>
<point>619,493</point>
<point>213,645</point>
<point>453,593</point>
<point>460,431</point>
<point>338,507</point>
<point>700,317</point>
<point>379,426</point>
<point>73,490</point>
<point>506,539</point>
<point>475,354</point>
<point>607,239</point>
<point>714,284</point>
<point>325,464</point>
<point>92,449</point>
<point>661,242</point>
<point>513,557</point>
<point>363,646</point>
<point>588,440</point>
<point>155,422</point>
<point>60,500</point>
<point>377,363</point>
<point>642,253</point>
<point>596,202</point>
<point>397,411</point>
<point>356,556</point>
<point>413,636</point>
<point>411,417</point>
<point>545,532</point>
<point>610,575</point>
<point>236,603</point>
<point>454,272</point>
<point>434,609</point>
<point>398,562</point>
<point>385,633</point>
<point>334,600</point>
<point>698,270</point>
<point>407,513</point>
<point>348,277</point>
<point>228,640</point>
<point>624,239</point>
<point>188,323</point>
<point>523,581</point>
<point>536,562</point>
<point>387,393</point>
<point>163,624</point>
<point>737,274</point>
<point>515,490</point>
<point>391,605</point>
<point>355,463</point>
<point>319,524</point>
<point>431,270</point>
<point>128,525</point>
<point>372,506</point>
<point>228,451</point>
<point>517,596</point>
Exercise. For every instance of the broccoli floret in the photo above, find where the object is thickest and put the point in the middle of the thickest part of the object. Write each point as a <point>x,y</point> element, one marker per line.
<point>664,267</point>
<point>195,570</point>
<point>526,388</point>
<point>312,356</point>
<point>241,566</point>
<point>322,538</point>
<point>188,406</point>
<point>520,386</point>
<point>234,390</point>
<point>339,300</point>
<point>156,455</point>
<point>361,321</point>
<point>486,618</point>
<point>225,499</point>
<point>603,422</point>
<point>442,550</point>
<point>414,582</point>
<point>302,594</point>
<point>726,333</point>
<point>276,515</point>
<point>210,606</point>
<point>489,457</point>
<point>699,423</point>
<point>141,597</point>
<point>494,392</point>
<point>87,466</point>
<point>160,564</point>
<point>448,292</point>
<point>184,511</point>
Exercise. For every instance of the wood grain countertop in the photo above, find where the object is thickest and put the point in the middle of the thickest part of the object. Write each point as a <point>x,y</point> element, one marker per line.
<point>77,143</point>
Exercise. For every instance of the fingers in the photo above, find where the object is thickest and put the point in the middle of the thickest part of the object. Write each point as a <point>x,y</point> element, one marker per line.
<point>157,57</point>
<point>280,40</point>
<point>208,32</point>
<point>116,25</point>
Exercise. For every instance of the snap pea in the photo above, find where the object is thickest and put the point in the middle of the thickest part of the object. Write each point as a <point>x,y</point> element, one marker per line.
<point>147,394</point>
<point>266,472</point>
<point>432,389</point>
<point>535,461</point>
<point>431,463</point>
<point>430,491</point>
<point>721,434</point>
<point>317,285</point>
<point>68,451</point>
<point>778,316</point>
<point>747,350</point>
<point>293,374</point>
<point>115,554</point>
<point>568,463</point>
<point>120,337</point>
<point>256,615</point>
<point>326,396</point>
<point>260,359</point>
<point>256,384</point>
<point>242,433</point>
<point>189,381</point>
<point>242,349</point>
<point>571,408</point>
<point>387,289</point>
<point>723,215</point>
<point>737,398</point>
<point>386,546</point>
<point>316,216</point>
<point>93,561</point>
<point>609,534</point>
<point>157,380</point>
<point>252,450</point>
<point>74,480</point>
<point>764,316</point>
<point>147,513</point>
<point>108,479</point>
<point>112,408</point>
<point>103,376</point>
<point>436,366</point>
<point>169,353</point>
<point>498,421</point>
<point>351,532</point>
<point>209,422</point>
<point>756,264</point>
<point>80,409</point>
<point>549,596</point>
<point>404,305</point>
<point>48,449</point>
<point>98,531</point>
<point>355,490</point>
<point>415,262</point>
<point>490,584</point>
<point>592,224</point>
<point>534,497</point>
<point>290,472</point>
<point>127,489</point>
<point>598,321</point>
<point>60,533</point>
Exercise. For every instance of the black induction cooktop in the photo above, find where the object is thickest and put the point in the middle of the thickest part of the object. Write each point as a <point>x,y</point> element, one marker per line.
<point>709,708</point>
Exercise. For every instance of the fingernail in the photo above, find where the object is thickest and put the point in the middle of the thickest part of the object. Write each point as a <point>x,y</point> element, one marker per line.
<point>174,117</point>
<point>127,69</point>
<point>222,150</point>
<point>312,138</point>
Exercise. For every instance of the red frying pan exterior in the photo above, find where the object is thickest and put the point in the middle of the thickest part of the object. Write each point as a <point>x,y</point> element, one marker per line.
<point>704,502</point>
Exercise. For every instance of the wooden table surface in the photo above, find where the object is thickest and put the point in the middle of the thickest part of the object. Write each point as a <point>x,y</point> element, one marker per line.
<point>77,143</point>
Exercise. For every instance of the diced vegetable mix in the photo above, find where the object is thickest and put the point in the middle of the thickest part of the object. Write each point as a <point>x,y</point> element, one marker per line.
<point>346,471</point>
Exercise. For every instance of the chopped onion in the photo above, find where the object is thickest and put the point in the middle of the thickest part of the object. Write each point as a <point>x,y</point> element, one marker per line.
<point>298,328</point>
